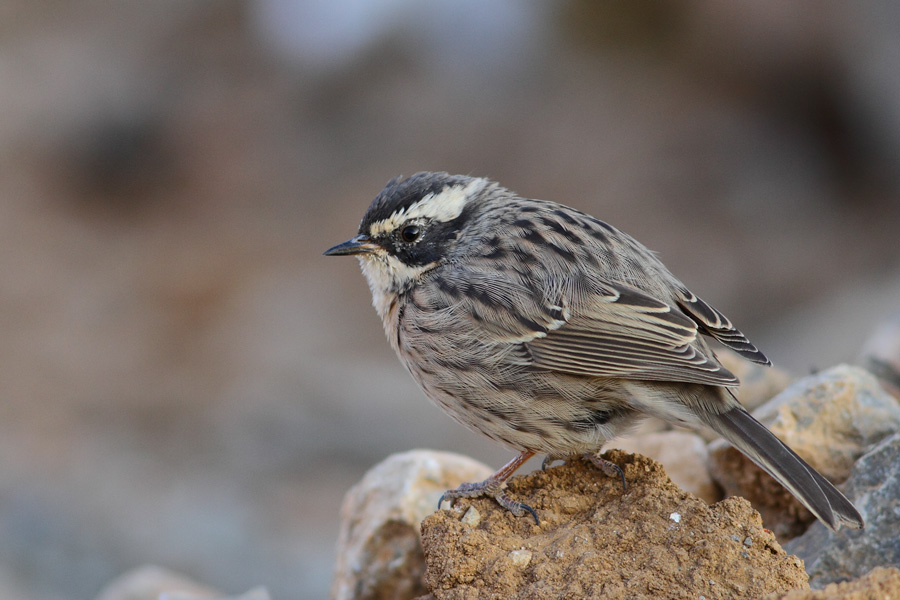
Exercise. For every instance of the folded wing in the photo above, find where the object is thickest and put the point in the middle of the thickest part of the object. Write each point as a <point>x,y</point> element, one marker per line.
<point>627,333</point>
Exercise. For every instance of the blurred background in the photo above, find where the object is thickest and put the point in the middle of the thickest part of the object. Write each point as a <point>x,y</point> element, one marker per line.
<point>186,381</point>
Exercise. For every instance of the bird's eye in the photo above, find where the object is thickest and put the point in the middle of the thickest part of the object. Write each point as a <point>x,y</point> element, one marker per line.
<point>410,233</point>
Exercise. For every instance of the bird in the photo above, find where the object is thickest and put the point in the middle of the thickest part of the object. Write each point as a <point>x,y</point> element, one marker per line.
<point>552,332</point>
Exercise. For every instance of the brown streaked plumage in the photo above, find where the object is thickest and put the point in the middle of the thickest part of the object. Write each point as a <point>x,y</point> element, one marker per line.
<point>552,332</point>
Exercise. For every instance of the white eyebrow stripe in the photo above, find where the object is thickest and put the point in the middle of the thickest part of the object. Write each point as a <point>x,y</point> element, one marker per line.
<point>444,206</point>
<point>447,204</point>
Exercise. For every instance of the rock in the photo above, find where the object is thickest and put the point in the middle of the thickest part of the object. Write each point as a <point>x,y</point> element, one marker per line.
<point>829,419</point>
<point>683,454</point>
<point>151,582</point>
<point>259,593</point>
<point>378,550</point>
<point>880,354</point>
<point>877,584</point>
<point>155,583</point>
<point>759,384</point>
<point>651,540</point>
<point>874,487</point>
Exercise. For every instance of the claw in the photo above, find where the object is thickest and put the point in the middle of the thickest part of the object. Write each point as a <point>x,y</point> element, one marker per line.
<point>490,489</point>
<point>493,488</point>
<point>516,508</point>
<point>548,460</point>
<point>609,468</point>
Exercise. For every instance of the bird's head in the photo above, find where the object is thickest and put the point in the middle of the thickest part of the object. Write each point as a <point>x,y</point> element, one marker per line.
<point>411,227</point>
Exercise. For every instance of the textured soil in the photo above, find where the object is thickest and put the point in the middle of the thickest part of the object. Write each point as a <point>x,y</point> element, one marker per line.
<point>879,584</point>
<point>595,539</point>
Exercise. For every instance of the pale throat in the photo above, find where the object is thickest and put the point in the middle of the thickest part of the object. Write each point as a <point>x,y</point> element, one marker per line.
<point>387,276</point>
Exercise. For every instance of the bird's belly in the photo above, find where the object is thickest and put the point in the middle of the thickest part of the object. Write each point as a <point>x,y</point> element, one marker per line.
<point>524,410</point>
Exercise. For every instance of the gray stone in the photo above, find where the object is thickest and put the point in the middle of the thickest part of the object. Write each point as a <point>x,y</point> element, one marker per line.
<point>830,419</point>
<point>155,583</point>
<point>257,593</point>
<point>151,582</point>
<point>874,487</point>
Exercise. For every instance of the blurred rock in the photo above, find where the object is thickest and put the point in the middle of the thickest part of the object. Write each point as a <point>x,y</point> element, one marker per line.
<point>378,551</point>
<point>874,487</point>
<point>594,540</point>
<point>259,593</point>
<point>877,584</point>
<point>684,456</point>
<point>151,583</point>
<point>830,419</point>
<point>881,354</point>
<point>759,384</point>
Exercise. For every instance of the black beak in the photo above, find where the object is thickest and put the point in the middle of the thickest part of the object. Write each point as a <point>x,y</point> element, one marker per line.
<point>361,244</point>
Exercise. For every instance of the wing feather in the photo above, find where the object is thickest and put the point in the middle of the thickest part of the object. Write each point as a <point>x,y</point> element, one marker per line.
<point>582,326</point>
<point>717,325</point>
<point>627,333</point>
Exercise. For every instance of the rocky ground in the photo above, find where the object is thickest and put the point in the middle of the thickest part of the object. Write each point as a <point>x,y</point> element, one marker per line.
<point>596,540</point>
<point>652,539</point>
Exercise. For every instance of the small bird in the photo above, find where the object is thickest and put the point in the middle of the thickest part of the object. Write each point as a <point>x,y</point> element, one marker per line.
<point>552,332</point>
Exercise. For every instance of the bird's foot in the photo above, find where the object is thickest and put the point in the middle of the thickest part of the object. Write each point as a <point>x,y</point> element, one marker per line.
<point>492,487</point>
<point>609,468</point>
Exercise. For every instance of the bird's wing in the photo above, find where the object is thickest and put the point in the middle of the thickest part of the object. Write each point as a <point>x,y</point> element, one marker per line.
<point>620,331</point>
<point>714,323</point>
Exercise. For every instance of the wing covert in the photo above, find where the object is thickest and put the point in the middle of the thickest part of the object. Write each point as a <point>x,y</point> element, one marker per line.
<point>628,334</point>
<point>717,325</point>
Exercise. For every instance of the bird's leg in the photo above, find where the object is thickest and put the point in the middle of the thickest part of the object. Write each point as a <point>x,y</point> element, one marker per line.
<point>609,468</point>
<point>493,488</point>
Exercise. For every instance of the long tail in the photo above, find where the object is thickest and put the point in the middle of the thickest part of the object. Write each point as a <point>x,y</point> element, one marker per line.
<point>762,447</point>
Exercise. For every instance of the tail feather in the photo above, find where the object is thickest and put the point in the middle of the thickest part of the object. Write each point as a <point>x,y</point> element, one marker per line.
<point>762,447</point>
